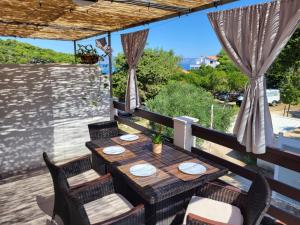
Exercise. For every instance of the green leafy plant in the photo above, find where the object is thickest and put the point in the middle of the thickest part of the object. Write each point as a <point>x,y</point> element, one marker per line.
<point>183,99</point>
<point>88,54</point>
<point>157,138</point>
<point>86,50</point>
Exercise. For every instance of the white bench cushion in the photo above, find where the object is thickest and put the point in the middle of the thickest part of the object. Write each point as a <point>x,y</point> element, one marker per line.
<point>83,178</point>
<point>214,210</point>
<point>106,208</point>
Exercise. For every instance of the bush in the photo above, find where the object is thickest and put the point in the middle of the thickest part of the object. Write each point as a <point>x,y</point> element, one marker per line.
<point>154,70</point>
<point>16,52</point>
<point>183,99</point>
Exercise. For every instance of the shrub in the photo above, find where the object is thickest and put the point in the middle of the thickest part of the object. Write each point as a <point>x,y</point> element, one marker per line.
<point>183,99</point>
<point>154,70</point>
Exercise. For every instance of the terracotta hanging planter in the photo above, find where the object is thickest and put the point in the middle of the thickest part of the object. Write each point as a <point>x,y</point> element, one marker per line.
<point>88,54</point>
<point>89,59</point>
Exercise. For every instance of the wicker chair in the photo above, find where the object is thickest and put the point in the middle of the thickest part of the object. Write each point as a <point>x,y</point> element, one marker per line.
<point>252,205</point>
<point>100,131</point>
<point>70,175</point>
<point>103,130</point>
<point>97,203</point>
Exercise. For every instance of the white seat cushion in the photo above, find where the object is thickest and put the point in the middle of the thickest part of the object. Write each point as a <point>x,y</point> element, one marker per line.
<point>214,210</point>
<point>83,178</point>
<point>106,208</point>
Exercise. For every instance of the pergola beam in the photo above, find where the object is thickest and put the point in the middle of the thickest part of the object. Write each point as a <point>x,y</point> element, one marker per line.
<point>39,25</point>
<point>215,3</point>
<point>35,23</point>
<point>193,10</point>
<point>150,4</point>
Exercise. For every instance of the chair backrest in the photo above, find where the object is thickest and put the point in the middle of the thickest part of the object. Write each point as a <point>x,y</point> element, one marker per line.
<point>259,199</point>
<point>61,185</point>
<point>58,177</point>
<point>77,212</point>
<point>102,130</point>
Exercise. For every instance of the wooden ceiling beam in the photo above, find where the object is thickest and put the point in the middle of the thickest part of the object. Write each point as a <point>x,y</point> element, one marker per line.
<point>39,25</point>
<point>151,4</point>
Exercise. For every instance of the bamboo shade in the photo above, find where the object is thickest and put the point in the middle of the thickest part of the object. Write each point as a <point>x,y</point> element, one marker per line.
<point>63,20</point>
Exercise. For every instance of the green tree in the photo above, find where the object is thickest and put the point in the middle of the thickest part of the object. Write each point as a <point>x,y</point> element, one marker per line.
<point>290,91</point>
<point>226,63</point>
<point>236,79</point>
<point>286,64</point>
<point>284,73</point>
<point>154,70</point>
<point>15,52</point>
<point>218,82</point>
<point>181,98</point>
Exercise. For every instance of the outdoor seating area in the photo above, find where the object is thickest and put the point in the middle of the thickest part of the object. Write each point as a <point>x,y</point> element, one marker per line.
<point>118,177</point>
<point>117,196</point>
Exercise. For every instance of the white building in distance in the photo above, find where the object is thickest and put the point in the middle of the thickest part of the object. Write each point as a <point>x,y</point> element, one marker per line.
<point>205,61</point>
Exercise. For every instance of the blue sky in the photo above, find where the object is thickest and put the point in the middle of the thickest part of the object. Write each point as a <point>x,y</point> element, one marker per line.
<point>189,36</point>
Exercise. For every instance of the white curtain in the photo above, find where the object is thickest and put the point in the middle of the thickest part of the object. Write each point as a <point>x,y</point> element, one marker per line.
<point>252,37</point>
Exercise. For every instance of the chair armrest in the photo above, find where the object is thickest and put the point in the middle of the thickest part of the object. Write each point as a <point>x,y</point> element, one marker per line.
<point>135,216</point>
<point>77,166</point>
<point>223,192</point>
<point>193,219</point>
<point>94,189</point>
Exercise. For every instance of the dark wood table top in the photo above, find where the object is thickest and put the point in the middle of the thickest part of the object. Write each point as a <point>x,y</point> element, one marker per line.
<point>168,181</point>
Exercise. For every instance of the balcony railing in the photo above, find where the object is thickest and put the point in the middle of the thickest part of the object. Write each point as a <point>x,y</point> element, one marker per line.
<point>274,155</point>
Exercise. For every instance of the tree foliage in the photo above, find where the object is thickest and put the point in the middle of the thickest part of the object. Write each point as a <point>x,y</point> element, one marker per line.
<point>181,98</point>
<point>15,52</point>
<point>287,61</point>
<point>284,73</point>
<point>226,77</point>
<point>154,70</point>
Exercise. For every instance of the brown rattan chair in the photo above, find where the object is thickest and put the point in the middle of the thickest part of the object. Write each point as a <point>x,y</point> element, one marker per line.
<point>102,130</point>
<point>70,175</point>
<point>97,203</point>
<point>252,205</point>
<point>99,131</point>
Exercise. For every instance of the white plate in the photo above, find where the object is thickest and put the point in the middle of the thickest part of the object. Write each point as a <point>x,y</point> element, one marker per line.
<point>191,168</point>
<point>142,170</point>
<point>129,137</point>
<point>114,150</point>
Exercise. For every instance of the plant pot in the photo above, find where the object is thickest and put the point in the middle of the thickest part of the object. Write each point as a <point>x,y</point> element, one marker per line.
<point>89,59</point>
<point>156,148</point>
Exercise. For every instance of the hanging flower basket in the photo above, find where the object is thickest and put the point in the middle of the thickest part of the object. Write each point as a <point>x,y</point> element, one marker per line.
<point>88,54</point>
<point>89,59</point>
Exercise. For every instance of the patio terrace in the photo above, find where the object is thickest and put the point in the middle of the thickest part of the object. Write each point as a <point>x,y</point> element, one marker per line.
<point>28,198</point>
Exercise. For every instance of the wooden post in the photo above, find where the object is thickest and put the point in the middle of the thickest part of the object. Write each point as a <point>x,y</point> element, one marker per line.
<point>112,111</point>
<point>74,45</point>
<point>212,117</point>
<point>110,65</point>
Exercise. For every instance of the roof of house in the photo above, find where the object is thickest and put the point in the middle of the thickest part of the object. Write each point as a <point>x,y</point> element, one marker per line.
<point>63,20</point>
<point>213,57</point>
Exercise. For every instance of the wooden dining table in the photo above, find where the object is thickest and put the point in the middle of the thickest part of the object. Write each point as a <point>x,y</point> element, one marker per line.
<point>166,193</point>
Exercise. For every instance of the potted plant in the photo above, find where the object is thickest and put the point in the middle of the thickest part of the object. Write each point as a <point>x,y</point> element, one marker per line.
<point>157,140</point>
<point>88,54</point>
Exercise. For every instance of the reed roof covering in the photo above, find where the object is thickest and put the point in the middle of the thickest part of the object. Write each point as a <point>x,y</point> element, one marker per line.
<point>63,20</point>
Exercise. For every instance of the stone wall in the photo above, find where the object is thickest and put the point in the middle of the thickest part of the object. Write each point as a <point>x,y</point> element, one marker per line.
<point>47,108</point>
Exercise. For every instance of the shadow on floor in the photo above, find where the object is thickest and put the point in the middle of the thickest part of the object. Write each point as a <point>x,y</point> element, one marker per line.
<point>45,203</point>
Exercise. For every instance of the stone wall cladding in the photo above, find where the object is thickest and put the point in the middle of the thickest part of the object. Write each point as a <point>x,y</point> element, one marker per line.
<point>47,108</point>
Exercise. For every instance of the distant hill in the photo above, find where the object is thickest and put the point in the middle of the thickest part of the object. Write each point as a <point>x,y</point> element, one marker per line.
<point>16,52</point>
